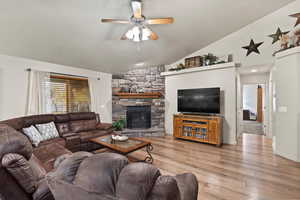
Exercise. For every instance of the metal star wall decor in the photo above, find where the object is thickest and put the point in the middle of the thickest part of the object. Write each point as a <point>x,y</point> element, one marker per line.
<point>252,47</point>
<point>277,35</point>
<point>297,15</point>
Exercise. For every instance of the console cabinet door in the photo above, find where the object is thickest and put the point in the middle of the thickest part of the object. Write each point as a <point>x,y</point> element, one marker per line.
<point>177,126</point>
<point>213,132</point>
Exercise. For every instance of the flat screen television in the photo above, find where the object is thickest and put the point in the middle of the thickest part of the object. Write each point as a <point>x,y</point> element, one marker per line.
<point>204,100</point>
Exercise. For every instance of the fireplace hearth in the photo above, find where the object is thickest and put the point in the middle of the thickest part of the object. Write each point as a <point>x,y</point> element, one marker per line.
<point>138,117</point>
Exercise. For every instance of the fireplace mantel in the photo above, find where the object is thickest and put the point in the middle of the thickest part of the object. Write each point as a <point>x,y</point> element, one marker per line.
<point>146,95</point>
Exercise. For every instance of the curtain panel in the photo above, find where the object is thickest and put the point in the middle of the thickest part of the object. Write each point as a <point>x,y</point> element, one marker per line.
<point>95,92</point>
<point>38,93</point>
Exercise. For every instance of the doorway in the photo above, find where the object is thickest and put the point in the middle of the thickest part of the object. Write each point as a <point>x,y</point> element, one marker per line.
<point>253,105</point>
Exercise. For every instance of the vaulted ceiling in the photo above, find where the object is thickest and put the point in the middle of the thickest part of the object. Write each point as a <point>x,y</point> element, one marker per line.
<point>69,32</point>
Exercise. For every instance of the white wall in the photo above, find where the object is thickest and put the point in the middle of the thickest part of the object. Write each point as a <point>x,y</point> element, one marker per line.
<point>287,112</point>
<point>262,78</point>
<point>250,98</point>
<point>14,80</point>
<point>259,31</point>
<point>223,78</point>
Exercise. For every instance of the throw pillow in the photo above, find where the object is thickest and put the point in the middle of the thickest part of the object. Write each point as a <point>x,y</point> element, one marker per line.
<point>23,171</point>
<point>33,134</point>
<point>48,131</point>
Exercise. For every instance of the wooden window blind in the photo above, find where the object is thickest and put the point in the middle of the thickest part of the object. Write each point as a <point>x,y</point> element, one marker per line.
<point>69,94</point>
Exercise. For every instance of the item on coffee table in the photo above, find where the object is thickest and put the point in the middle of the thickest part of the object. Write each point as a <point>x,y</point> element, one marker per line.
<point>119,138</point>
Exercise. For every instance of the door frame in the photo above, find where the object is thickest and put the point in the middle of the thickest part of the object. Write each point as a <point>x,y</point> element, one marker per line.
<point>254,78</point>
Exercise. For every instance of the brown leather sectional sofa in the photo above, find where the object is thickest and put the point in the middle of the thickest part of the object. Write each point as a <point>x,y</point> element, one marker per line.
<point>52,172</point>
<point>75,130</point>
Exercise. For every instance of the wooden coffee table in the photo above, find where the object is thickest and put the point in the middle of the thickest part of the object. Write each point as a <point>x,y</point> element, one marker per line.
<point>126,147</point>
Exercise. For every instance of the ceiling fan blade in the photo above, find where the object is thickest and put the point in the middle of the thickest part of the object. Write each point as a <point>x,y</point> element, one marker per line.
<point>168,20</point>
<point>124,37</point>
<point>136,6</point>
<point>117,21</point>
<point>153,35</point>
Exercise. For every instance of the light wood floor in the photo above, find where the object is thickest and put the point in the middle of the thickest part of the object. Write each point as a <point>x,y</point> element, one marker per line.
<point>247,171</point>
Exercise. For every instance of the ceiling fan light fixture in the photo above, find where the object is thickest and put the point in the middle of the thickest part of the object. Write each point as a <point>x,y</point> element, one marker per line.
<point>136,34</point>
<point>146,33</point>
<point>139,32</point>
<point>130,35</point>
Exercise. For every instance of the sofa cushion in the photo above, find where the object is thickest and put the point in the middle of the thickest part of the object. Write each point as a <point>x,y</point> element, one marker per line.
<point>62,118</point>
<point>33,134</point>
<point>59,140</point>
<point>38,119</point>
<point>82,116</point>
<point>27,173</point>
<point>48,130</point>
<point>62,128</point>
<point>85,136</point>
<point>108,167</point>
<point>83,125</point>
<point>48,153</point>
<point>38,166</point>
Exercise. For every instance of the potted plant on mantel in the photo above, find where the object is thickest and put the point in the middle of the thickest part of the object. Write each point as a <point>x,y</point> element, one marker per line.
<point>118,126</point>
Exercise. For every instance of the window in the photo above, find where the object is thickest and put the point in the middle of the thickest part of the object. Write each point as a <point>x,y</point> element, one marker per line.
<point>69,94</point>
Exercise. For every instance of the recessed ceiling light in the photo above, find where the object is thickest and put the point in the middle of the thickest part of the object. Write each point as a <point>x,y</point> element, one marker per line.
<point>254,70</point>
<point>140,64</point>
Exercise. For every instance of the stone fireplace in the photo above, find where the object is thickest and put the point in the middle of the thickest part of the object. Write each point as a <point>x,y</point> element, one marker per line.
<point>138,117</point>
<point>144,116</point>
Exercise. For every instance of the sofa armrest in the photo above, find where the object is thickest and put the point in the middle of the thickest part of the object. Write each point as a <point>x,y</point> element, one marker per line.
<point>104,126</point>
<point>72,141</point>
<point>188,186</point>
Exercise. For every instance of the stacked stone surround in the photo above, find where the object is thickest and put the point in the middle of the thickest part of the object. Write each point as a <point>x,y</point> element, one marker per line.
<point>141,80</point>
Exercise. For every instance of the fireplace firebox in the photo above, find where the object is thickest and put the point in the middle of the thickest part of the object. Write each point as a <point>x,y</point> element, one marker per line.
<point>138,117</point>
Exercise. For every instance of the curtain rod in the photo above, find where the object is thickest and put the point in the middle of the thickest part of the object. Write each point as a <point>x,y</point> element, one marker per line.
<point>29,69</point>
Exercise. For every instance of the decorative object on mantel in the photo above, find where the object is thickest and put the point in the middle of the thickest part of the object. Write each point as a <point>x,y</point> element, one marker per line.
<point>196,61</point>
<point>178,67</point>
<point>284,42</point>
<point>290,40</point>
<point>252,47</point>
<point>125,90</point>
<point>199,69</point>
<point>276,36</point>
<point>199,61</point>
<point>297,15</point>
<point>116,90</point>
<point>210,59</point>
<point>145,95</point>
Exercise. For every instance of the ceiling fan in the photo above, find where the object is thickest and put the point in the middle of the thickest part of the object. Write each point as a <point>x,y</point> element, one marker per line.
<point>140,31</point>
